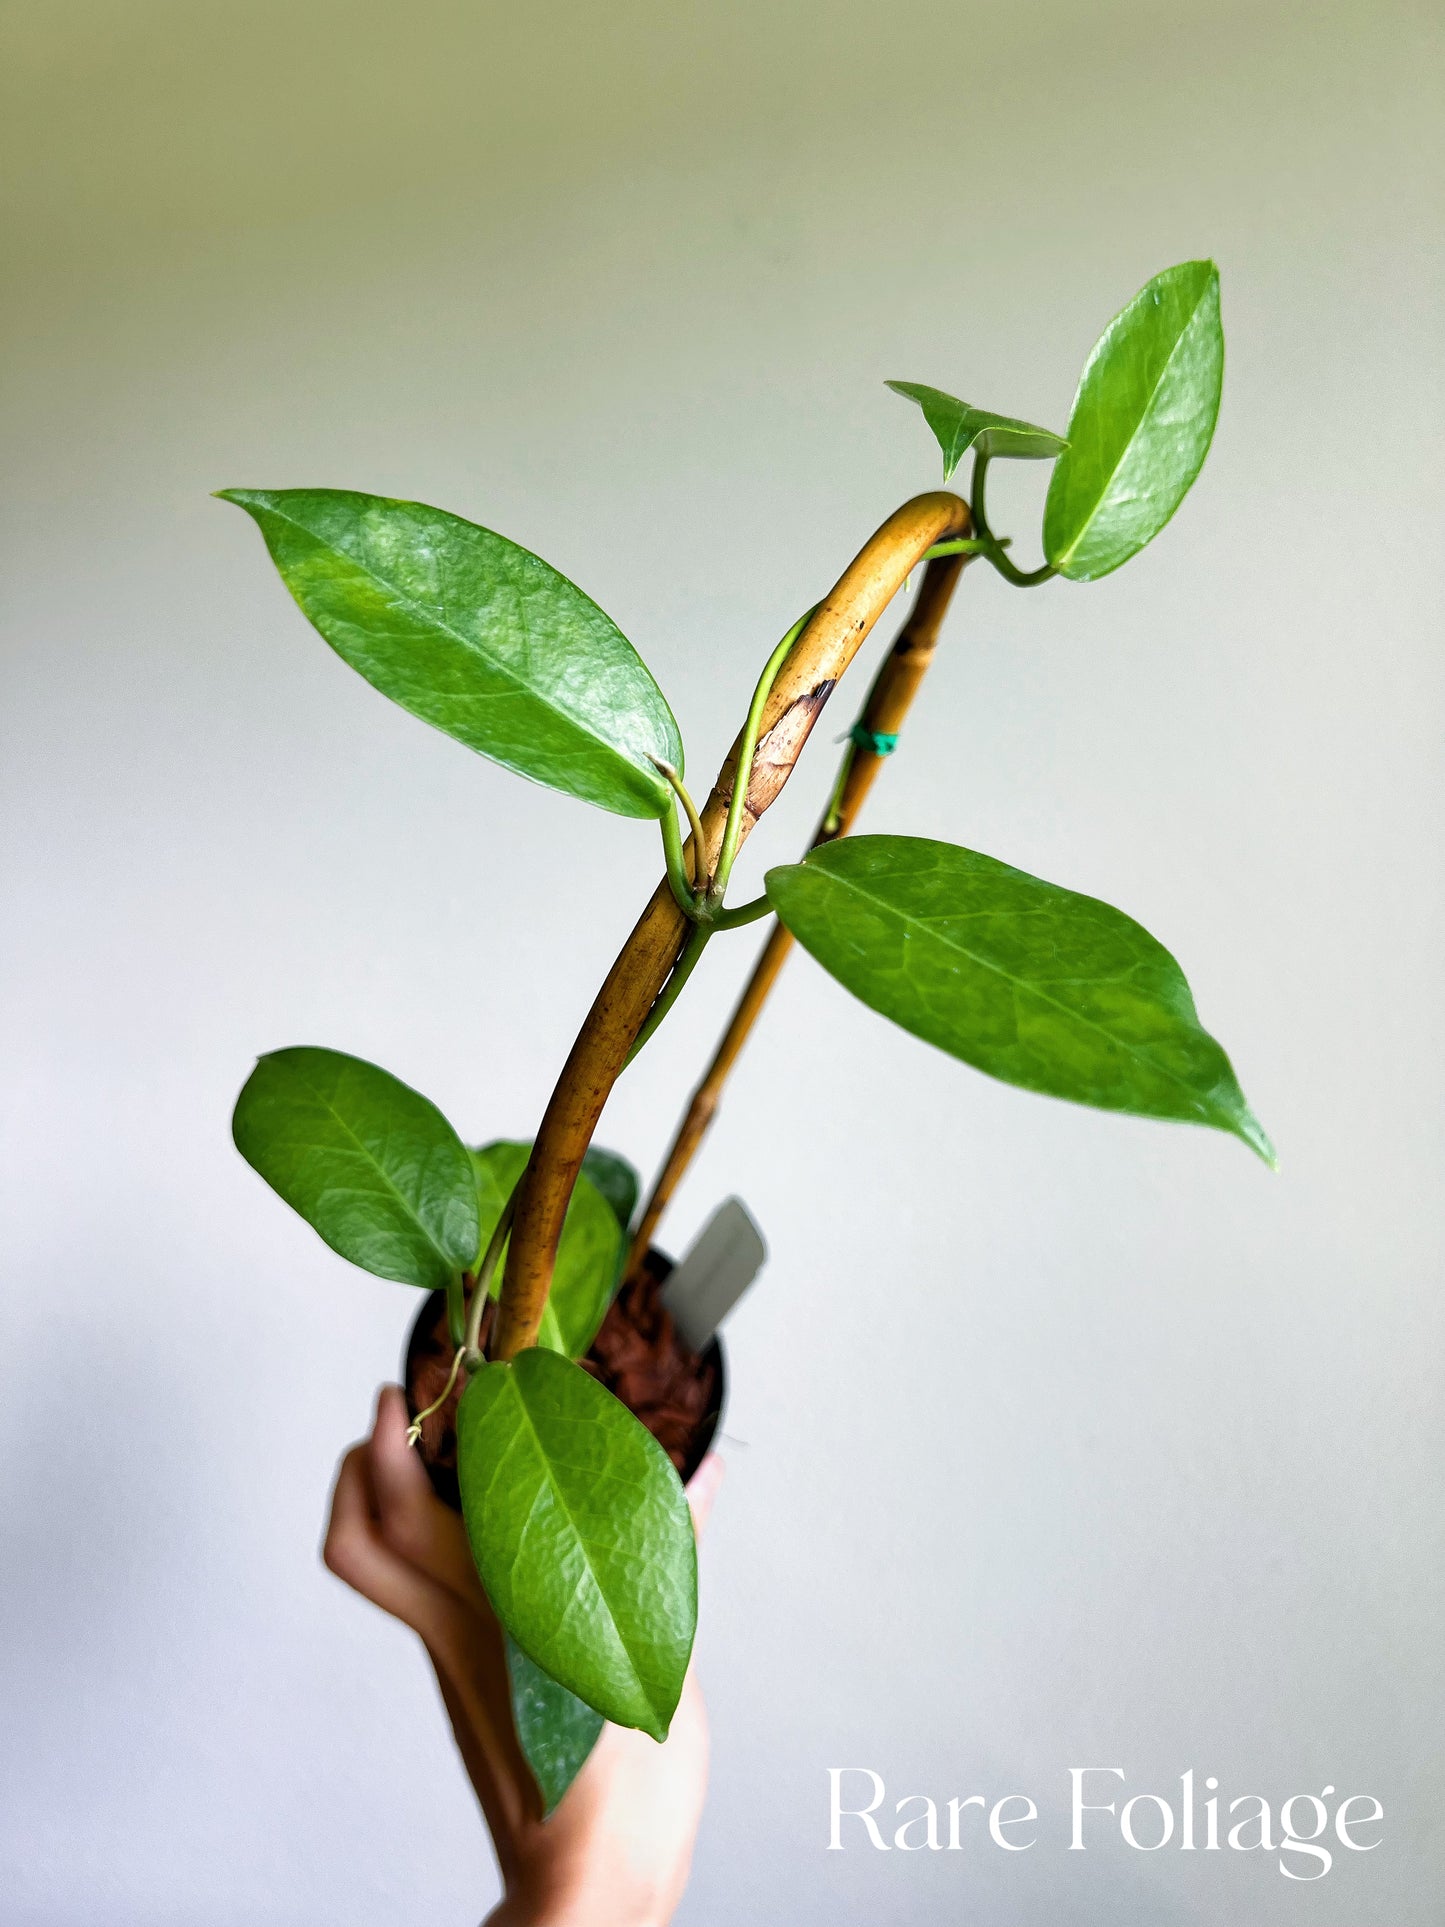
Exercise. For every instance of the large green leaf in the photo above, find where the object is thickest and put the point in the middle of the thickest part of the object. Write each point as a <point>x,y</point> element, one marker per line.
<point>1029,982</point>
<point>556,1729</point>
<point>589,1256</point>
<point>616,1179</point>
<point>365,1159</point>
<point>1141,426</point>
<point>476,635</point>
<point>581,1534</point>
<point>960,428</point>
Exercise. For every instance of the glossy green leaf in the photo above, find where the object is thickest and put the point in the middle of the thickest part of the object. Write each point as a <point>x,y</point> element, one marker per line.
<point>1029,982</point>
<point>616,1179</point>
<point>477,636</point>
<point>1141,426</point>
<point>581,1534</point>
<point>557,1731</point>
<point>960,428</point>
<point>589,1256</point>
<point>366,1160</point>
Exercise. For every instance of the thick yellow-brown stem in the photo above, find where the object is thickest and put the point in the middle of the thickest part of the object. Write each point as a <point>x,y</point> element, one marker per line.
<point>889,700</point>
<point>838,629</point>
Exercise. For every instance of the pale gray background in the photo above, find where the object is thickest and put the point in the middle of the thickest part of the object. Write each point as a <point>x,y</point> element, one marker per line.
<point>1056,1439</point>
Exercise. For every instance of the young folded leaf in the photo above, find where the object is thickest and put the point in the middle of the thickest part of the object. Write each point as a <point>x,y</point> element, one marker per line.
<point>477,636</point>
<point>366,1160</point>
<point>581,1534</point>
<point>589,1257</point>
<point>1029,982</point>
<point>557,1730</point>
<point>1142,422</point>
<point>960,428</point>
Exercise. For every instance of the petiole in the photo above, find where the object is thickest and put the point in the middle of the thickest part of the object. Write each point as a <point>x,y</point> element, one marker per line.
<point>989,544</point>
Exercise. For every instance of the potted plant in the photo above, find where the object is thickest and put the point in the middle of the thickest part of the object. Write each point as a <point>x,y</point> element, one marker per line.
<point>575,1511</point>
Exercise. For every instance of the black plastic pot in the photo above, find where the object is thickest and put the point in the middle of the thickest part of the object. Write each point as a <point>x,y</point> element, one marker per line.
<point>444,1477</point>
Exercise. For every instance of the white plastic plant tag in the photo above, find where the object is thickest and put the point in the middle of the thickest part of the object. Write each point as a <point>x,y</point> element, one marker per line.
<point>720,1264</point>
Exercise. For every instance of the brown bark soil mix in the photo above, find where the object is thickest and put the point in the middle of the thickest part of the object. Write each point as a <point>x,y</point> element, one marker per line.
<point>637,1355</point>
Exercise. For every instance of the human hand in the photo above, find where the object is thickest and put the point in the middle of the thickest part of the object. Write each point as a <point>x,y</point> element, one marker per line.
<point>617,1850</point>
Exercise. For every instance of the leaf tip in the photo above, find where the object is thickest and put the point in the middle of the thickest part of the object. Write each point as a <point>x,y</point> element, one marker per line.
<point>658,1730</point>
<point>241,498</point>
<point>1248,1129</point>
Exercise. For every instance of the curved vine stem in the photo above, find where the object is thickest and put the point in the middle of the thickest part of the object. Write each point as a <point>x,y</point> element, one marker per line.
<point>671,990</point>
<point>680,791</point>
<point>751,912</point>
<point>678,881</point>
<point>832,637</point>
<point>992,547</point>
<point>413,1431</point>
<point>491,1257</point>
<point>888,702</point>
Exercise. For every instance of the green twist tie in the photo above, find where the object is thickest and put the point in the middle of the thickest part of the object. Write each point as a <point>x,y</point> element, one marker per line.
<point>879,741</point>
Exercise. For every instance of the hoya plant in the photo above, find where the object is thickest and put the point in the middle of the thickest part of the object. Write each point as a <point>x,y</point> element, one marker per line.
<point>576,1515</point>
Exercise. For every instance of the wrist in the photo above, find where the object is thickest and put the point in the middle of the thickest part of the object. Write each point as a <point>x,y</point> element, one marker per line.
<point>577,1912</point>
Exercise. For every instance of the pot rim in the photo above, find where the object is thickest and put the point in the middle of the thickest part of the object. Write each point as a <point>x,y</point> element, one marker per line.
<point>444,1478</point>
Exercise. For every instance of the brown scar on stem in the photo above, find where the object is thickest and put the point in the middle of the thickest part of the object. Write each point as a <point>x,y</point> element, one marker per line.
<point>833,636</point>
<point>780,749</point>
<point>889,700</point>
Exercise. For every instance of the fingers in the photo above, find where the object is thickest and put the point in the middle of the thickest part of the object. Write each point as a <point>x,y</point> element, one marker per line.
<point>412,1519</point>
<point>392,1540</point>
<point>349,1523</point>
<point>394,1463</point>
<point>355,1550</point>
<point>383,1501</point>
<point>703,1488</point>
